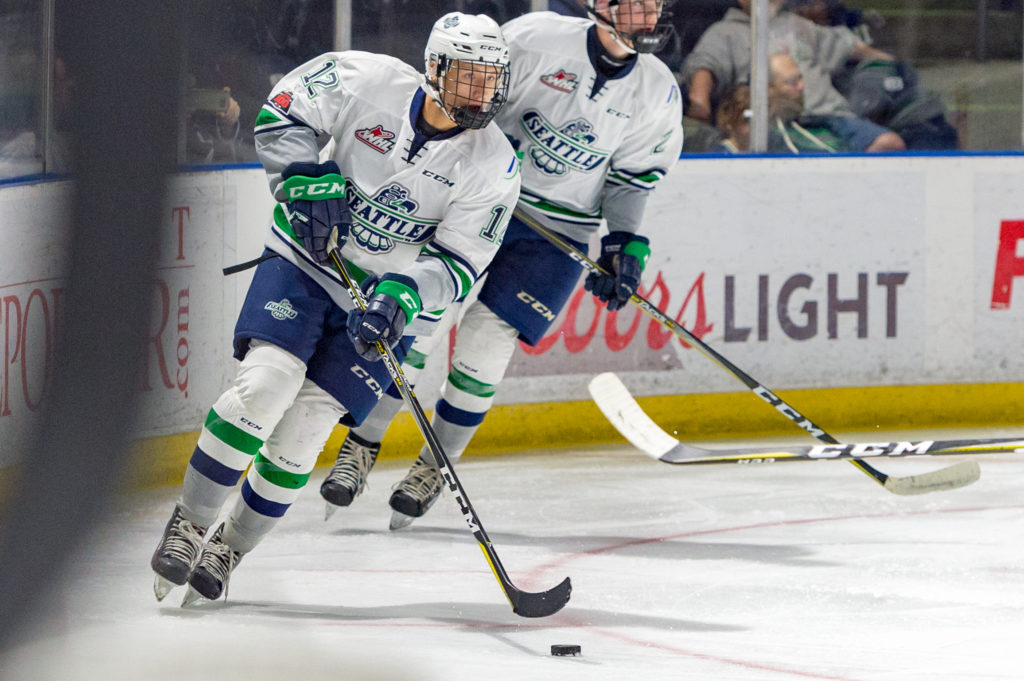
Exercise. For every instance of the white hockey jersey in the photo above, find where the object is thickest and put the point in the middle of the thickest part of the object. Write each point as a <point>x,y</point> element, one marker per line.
<point>586,153</point>
<point>432,210</point>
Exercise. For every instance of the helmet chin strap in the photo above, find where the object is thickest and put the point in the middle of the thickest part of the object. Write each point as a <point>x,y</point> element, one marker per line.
<point>607,24</point>
<point>618,40</point>
<point>434,90</point>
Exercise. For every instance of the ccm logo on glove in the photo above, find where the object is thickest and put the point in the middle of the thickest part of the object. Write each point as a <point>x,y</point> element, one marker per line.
<point>316,206</point>
<point>316,191</point>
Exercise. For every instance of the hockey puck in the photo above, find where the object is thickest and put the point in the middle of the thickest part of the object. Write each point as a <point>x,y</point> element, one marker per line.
<point>565,650</point>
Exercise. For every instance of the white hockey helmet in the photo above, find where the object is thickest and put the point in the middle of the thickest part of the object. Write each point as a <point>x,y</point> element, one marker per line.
<point>471,51</point>
<point>617,16</point>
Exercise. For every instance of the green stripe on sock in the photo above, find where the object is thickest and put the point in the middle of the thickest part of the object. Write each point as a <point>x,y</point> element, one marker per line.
<point>231,434</point>
<point>468,384</point>
<point>276,475</point>
<point>416,359</point>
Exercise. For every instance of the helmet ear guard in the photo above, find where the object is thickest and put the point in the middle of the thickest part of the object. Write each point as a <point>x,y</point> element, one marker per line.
<point>462,51</point>
<point>644,42</point>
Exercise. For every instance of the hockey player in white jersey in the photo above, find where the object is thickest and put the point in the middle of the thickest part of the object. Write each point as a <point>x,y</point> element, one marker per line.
<point>597,120</point>
<point>417,188</point>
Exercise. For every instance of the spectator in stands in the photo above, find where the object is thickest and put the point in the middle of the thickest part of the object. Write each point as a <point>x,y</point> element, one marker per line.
<point>212,127</point>
<point>790,129</point>
<point>247,46</point>
<point>733,121</point>
<point>885,92</point>
<point>835,13</point>
<point>721,61</point>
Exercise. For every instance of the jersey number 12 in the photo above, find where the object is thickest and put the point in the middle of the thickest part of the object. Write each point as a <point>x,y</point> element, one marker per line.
<point>325,78</point>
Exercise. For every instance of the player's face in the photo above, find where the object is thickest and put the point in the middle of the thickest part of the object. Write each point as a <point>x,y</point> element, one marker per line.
<point>471,84</point>
<point>636,16</point>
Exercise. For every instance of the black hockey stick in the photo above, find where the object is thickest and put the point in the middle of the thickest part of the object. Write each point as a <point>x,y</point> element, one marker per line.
<point>524,603</point>
<point>958,475</point>
<point>618,405</point>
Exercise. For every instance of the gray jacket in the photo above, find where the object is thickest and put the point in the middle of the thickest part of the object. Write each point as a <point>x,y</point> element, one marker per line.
<point>724,50</point>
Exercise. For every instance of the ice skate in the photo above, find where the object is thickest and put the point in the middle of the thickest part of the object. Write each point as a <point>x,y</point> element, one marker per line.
<point>210,577</point>
<point>347,478</point>
<point>177,553</point>
<point>414,494</point>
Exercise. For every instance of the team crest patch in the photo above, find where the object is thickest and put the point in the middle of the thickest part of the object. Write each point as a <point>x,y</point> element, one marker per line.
<point>282,310</point>
<point>282,101</point>
<point>396,196</point>
<point>377,137</point>
<point>386,217</point>
<point>560,80</point>
<point>557,149</point>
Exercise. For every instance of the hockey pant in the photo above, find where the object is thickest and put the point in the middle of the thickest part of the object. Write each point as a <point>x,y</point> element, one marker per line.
<point>273,421</point>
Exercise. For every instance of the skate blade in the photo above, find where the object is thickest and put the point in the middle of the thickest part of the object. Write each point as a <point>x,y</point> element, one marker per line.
<point>400,520</point>
<point>330,510</point>
<point>191,596</point>
<point>162,587</point>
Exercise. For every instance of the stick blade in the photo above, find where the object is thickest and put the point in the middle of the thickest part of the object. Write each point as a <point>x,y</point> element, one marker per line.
<point>951,477</point>
<point>618,406</point>
<point>527,604</point>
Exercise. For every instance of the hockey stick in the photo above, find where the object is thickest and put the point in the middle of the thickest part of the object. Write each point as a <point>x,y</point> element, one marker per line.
<point>524,603</point>
<point>629,418</point>
<point>951,477</point>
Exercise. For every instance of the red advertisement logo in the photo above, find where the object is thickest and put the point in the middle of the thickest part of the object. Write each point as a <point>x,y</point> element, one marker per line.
<point>621,327</point>
<point>1008,264</point>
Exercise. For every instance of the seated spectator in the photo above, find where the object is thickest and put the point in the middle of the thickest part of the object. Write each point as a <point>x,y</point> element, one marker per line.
<point>790,129</point>
<point>721,61</point>
<point>733,121</point>
<point>888,93</point>
<point>835,13</point>
<point>884,92</point>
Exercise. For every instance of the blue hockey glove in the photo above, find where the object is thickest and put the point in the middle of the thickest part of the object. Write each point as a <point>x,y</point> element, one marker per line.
<point>316,206</point>
<point>623,256</point>
<point>392,303</point>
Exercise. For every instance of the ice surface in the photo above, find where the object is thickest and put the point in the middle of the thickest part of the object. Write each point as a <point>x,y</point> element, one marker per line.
<point>776,571</point>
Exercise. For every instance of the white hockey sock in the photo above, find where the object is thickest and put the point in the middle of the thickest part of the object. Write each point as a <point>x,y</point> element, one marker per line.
<point>282,468</point>
<point>267,382</point>
<point>484,346</point>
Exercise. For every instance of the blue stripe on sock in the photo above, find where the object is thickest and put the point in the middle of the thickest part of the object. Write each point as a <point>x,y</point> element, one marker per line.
<point>459,417</point>
<point>262,506</point>
<point>209,467</point>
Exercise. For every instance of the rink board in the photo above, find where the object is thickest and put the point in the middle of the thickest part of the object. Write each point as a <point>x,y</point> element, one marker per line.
<point>815,276</point>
